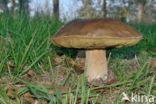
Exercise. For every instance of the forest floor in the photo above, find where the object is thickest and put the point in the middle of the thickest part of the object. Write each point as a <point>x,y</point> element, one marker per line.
<point>33,71</point>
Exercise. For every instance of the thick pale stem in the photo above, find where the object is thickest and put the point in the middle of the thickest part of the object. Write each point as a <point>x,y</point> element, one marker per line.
<point>96,65</point>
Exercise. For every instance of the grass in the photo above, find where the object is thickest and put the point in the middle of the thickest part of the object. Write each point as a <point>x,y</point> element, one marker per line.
<point>25,46</point>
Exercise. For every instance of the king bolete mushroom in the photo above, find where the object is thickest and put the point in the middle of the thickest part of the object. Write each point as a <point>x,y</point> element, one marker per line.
<point>95,35</point>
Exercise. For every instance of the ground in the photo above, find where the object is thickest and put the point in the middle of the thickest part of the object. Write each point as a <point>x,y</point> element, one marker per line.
<point>33,71</point>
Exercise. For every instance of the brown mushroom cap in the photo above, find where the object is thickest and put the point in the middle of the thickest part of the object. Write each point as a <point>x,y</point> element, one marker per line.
<point>96,33</point>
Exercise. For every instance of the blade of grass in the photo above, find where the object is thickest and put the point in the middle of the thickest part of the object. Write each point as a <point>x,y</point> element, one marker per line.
<point>32,64</point>
<point>39,92</point>
<point>77,91</point>
<point>88,96</point>
<point>83,90</point>
<point>112,85</point>
<point>2,63</point>
<point>44,41</point>
<point>139,74</point>
<point>150,86</point>
<point>66,79</point>
<point>26,51</point>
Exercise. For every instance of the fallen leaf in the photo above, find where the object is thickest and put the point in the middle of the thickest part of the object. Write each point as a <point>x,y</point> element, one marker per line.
<point>31,73</point>
<point>28,99</point>
<point>152,66</point>
<point>63,89</point>
<point>29,76</point>
<point>12,91</point>
<point>47,83</point>
<point>51,92</point>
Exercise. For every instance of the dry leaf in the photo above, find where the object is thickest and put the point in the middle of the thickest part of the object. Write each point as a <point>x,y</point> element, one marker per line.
<point>12,91</point>
<point>31,73</point>
<point>47,83</point>
<point>27,98</point>
<point>152,65</point>
<point>51,92</point>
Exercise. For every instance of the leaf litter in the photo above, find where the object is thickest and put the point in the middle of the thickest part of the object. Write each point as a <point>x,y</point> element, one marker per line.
<point>40,88</point>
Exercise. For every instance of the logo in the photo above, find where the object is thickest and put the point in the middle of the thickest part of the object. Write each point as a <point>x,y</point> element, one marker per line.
<point>138,98</point>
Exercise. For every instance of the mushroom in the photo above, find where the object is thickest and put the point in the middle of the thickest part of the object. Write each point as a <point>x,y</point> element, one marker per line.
<point>95,35</point>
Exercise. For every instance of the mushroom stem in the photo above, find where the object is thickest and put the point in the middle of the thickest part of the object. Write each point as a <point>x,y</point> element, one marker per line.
<point>96,65</point>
